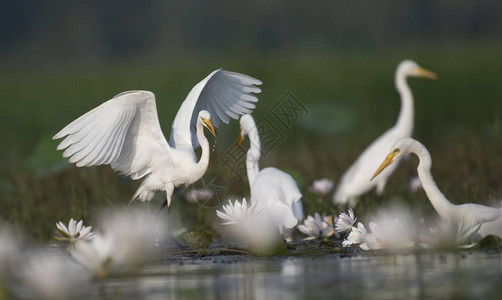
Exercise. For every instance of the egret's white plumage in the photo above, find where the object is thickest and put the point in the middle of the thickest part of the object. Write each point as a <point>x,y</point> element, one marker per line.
<point>125,132</point>
<point>490,218</point>
<point>356,180</point>
<point>272,189</point>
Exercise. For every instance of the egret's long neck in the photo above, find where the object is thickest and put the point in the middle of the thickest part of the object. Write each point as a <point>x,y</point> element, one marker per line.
<point>253,155</point>
<point>406,115</point>
<point>437,199</point>
<point>204,158</point>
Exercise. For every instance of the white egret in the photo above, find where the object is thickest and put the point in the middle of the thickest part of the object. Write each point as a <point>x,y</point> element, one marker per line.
<point>125,133</point>
<point>272,189</point>
<point>356,180</point>
<point>490,218</point>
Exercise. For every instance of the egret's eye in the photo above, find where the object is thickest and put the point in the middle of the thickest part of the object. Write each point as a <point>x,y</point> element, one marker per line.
<point>395,151</point>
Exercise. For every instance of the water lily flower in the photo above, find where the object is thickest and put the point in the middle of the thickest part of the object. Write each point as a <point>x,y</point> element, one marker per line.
<point>127,240</point>
<point>393,227</point>
<point>322,186</point>
<point>97,255</point>
<point>356,236</point>
<point>50,276</point>
<point>312,226</point>
<point>197,195</point>
<point>9,250</point>
<point>345,221</point>
<point>451,235</point>
<point>248,224</point>
<point>374,239</point>
<point>237,211</point>
<point>75,231</point>
<point>328,225</point>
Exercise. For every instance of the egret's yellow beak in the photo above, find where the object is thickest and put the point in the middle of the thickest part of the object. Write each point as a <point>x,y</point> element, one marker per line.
<point>426,73</point>
<point>388,160</point>
<point>239,140</point>
<point>208,125</point>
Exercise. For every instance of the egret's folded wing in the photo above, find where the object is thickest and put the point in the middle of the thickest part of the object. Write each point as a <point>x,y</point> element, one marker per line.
<point>483,213</point>
<point>123,132</point>
<point>223,94</point>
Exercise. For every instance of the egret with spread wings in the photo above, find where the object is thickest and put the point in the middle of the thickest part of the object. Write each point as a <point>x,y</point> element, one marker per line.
<point>125,133</point>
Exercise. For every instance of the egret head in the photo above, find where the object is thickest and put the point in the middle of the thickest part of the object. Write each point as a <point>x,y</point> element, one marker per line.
<point>411,68</point>
<point>205,119</point>
<point>247,123</point>
<point>400,148</point>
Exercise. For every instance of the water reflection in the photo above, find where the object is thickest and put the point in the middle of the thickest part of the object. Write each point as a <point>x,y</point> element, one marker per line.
<point>410,276</point>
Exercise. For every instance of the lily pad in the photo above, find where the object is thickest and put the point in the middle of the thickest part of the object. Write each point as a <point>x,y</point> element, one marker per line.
<point>490,242</point>
<point>198,239</point>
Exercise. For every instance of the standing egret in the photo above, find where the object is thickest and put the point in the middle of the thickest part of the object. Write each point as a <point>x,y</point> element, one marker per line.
<point>490,218</point>
<point>272,189</point>
<point>125,133</point>
<point>356,180</point>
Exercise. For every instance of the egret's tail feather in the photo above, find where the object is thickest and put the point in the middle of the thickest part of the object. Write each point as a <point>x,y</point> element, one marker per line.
<point>143,194</point>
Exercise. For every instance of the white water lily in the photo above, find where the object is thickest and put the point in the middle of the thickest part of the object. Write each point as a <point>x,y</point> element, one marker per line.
<point>128,239</point>
<point>248,224</point>
<point>451,235</point>
<point>345,221</point>
<point>328,225</point>
<point>374,239</point>
<point>97,255</point>
<point>393,227</point>
<point>356,236</point>
<point>237,211</point>
<point>75,231</point>
<point>9,250</point>
<point>49,276</point>
<point>322,186</point>
<point>312,226</point>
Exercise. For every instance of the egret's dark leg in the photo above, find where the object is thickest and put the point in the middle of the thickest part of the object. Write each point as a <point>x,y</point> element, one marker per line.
<point>169,214</point>
<point>162,207</point>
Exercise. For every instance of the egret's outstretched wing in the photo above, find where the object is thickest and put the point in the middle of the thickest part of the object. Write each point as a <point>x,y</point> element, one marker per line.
<point>123,132</point>
<point>223,94</point>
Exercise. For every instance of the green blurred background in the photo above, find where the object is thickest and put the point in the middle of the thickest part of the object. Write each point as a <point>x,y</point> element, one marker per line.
<point>59,59</point>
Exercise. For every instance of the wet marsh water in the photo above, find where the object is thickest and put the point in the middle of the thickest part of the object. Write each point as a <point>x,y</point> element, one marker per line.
<point>428,275</point>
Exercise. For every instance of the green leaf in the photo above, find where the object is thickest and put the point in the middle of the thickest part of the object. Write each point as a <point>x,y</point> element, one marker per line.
<point>198,239</point>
